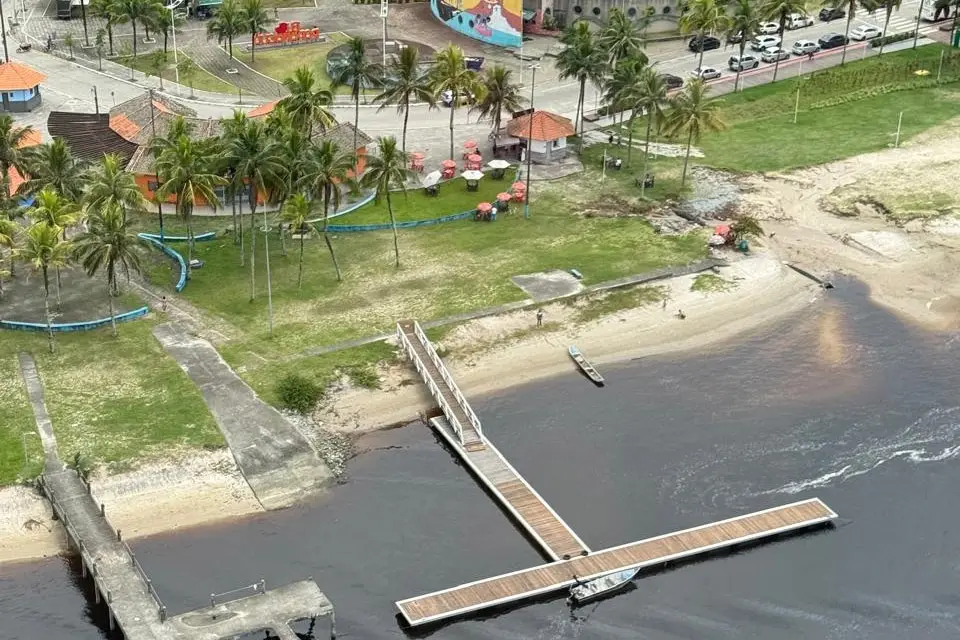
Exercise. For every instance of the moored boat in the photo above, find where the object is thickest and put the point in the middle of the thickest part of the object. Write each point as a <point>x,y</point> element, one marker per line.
<point>585,365</point>
<point>582,593</point>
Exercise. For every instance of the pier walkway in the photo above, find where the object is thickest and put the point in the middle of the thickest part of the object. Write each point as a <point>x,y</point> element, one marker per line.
<point>573,560</point>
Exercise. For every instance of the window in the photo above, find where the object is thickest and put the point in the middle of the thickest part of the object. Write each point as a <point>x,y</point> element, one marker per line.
<point>556,143</point>
<point>547,11</point>
<point>152,185</point>
<point>221,194</point>
<point>666,10</point>
<point>596,11</point>
<point>578,9</point>
<point>632,12</point>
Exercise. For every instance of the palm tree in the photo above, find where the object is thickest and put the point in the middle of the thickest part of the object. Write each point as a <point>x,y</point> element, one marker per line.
<point>188,70</point>
<point>56,212</point>
<point>12,153</point>
<point>255,19</point>
<point>260,162</point>
<point>110,184</point>
<point>104,9</point>
<point>406,81</point>
<point>166,22</point>
<point>356,73</point>
<point>581,59</point>
<point>296,212</point>
<point>889,6</point>
<point>691,114</point>
<point>851,7</point>
<point>132,11</point>
<point>620,88</point>
<point>499,94</point>
<point>385,171</point>
<point>106,244</point>
<point>226,24</point>
<point>328,167</point>
<point>621,38</point>
<point>745,22</point>
<point>450,73</point>
<point>53,165</point>
<point>9,231</point>
<point>703,17</point>
<point>307,102</point>
<point>44,248</point>
<point>650,97</point>
<point>151,17</point>
<point>183,168</point>
<point>83,18</point>
<point>779,11</point>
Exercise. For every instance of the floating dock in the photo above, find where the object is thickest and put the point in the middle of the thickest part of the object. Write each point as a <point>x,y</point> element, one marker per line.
<point>573,560</point>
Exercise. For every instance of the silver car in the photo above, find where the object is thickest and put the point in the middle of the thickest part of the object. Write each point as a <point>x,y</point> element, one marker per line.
<point>764,42</point>
<point>773,54</point>
<point>706,73</point>
<point>805,47</point>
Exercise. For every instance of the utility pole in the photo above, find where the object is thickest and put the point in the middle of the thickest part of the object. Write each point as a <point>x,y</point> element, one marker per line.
<point>153,129</point>
<point>3,29</point>
<point>96,101</point>
<point>384,6</point>
<point>533,111</point>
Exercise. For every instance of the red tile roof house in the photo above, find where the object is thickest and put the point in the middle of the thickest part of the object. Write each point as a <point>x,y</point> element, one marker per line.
<point>19,87</point>
<point>548,139</point>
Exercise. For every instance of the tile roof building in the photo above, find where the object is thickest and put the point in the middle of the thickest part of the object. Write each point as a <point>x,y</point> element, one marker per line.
<point>19,87</point>
<point>545,134</point>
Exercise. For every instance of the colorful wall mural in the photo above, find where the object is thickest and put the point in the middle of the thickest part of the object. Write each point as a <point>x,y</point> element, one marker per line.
<point>498,22</point>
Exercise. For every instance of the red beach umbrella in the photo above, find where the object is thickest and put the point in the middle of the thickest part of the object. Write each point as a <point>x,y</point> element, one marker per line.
<point>484,207</point>
<point>504,197</point>
<point>448,164</point>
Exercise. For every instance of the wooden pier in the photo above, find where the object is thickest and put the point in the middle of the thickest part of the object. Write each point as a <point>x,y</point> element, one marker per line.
<point>573,560</point>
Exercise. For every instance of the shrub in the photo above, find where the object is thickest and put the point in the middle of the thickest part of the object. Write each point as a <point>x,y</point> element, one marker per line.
<point>876,43</point>
<point>364,375</point>
<point>298,393</point>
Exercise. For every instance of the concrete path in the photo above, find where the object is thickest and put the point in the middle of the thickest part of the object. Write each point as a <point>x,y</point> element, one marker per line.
<point>277,461</point>
<point>28,368</point>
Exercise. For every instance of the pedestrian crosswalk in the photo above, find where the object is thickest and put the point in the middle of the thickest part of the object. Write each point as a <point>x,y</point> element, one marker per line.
<point>904,20</point>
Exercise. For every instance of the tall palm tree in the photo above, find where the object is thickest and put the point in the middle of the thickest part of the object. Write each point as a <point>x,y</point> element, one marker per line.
<point>650,98</point>
<point>327,169</point>
<point>307,103</point>
<point>702,18</point>
<point>779,11</point>
<point>889,6</point>
<point>256,21</point>
<point>53,165</point>
<point>166,23</point>
<point>185,174</point>
<point>297,147</point>
<point>226,24</point>
<point>406,81</point>
<point>296,212</point>
<point>151,17</point>
<point>103,9</point>
<point>356,73</point>
<point>500,94</point>
<point>131,11</point>
<point>692,114</point>
<point>108,243</point>
<point>44,248</point>
<point>385,171</point>
<point>12,153</point>
<point>450,73</point>
<point>260,162</point>
<point>582,59</point>
<point>56,212</point>
<point>851,7</point>
<point>744,22</point>
<point>9,233</point>
<point>226,166</point>
<point>620,93</point>
<point>109,183</point>
<point>621,38</point>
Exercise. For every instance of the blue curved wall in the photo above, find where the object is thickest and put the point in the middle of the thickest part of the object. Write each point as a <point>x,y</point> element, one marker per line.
<point>479,22</point>
<point>73,326</point>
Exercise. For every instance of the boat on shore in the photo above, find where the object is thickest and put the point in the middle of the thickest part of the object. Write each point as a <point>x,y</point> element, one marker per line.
<point>585,365</point>
<point>584,592</point>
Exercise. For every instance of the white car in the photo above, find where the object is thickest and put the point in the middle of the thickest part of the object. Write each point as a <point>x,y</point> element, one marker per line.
<point>706,73</point>
<point>773,54</point>
<point>805,47</point>
<point>799,21</point>
<point>768,28</point>
<point>764,42</point>
<point>866,32</point>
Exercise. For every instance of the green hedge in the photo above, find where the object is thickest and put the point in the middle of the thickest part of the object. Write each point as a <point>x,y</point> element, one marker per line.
<point>882,41</point>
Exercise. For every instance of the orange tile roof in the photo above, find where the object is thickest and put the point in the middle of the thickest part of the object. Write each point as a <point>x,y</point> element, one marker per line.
<point>124,126</point>
<point>15,76</point>
<point>32,139</point>
<point>546,126</point>
<point>159,106</point>
<point>262,110</point>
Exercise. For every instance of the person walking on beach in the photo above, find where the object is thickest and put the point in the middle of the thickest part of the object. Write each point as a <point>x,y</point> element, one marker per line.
<point>664,305</point>
<point>163,304</point>
<point>539,317</point>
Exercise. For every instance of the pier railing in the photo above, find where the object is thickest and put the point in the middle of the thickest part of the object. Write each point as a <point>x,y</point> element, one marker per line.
<point>431,385</point>
<point>442,368</point>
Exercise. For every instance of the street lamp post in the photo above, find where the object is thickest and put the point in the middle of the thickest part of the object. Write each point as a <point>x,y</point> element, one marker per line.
<point>173,27</point>
<point>533,85</point>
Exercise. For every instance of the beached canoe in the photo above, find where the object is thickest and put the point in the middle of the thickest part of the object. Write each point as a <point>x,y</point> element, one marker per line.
<point>585,365</point>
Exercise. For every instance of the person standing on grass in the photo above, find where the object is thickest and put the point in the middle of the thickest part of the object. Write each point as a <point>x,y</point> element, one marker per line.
<point>539,317</point>
<point>163,304</point>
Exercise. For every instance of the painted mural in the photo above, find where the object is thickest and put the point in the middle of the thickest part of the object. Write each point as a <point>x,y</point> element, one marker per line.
<point>498,22</point>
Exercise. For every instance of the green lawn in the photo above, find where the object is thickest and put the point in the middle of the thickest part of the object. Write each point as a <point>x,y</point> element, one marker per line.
<point>416,205</point>
<point>113,400</point>
<point>279,63</point>
<point>202,80</point>
<point>16,419</point>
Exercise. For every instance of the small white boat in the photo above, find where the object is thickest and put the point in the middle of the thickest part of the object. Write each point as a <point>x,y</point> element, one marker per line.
<point>581,593</point>
<point>585,365</point>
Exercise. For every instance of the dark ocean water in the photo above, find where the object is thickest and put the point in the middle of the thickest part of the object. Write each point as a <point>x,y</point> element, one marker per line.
<point>843,402</point>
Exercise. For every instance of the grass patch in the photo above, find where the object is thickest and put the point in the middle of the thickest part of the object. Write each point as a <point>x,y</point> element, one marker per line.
<point>279,63</point>
<point>202,79</point>
<point>666,172</point>
<point>711,283</point>
<point>116,400</point>
<point>417,205</point>
<point>594,307</point>
<point>16,419</point>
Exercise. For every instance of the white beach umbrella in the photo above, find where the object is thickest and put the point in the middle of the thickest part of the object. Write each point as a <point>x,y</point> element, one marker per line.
<point>431,179</point>
<point>498,164</point>
<point>472,175</point>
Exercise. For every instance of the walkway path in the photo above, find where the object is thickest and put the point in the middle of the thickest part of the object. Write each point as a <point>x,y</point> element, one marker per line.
<point>277,461</point>
<point>28,368</point>
<point>217,61</point>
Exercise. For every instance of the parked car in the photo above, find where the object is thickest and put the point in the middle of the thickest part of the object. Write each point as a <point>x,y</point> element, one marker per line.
<point>831,13</point>
<point>706,73</point>
<point>832,40</point>
<point>866,32</point>
<point>735,38</point>
<point>773,54</point>
<point>706,43</point>
<point>768,28</point>
<point>805,47</point>
<point>799,21</point>
<point>764,42</point>
<point>672,81</point>
<point>747,61</point>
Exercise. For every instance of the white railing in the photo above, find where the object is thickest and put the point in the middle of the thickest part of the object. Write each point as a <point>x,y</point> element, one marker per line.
<point>431,385</point>
<point>438,363</point>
